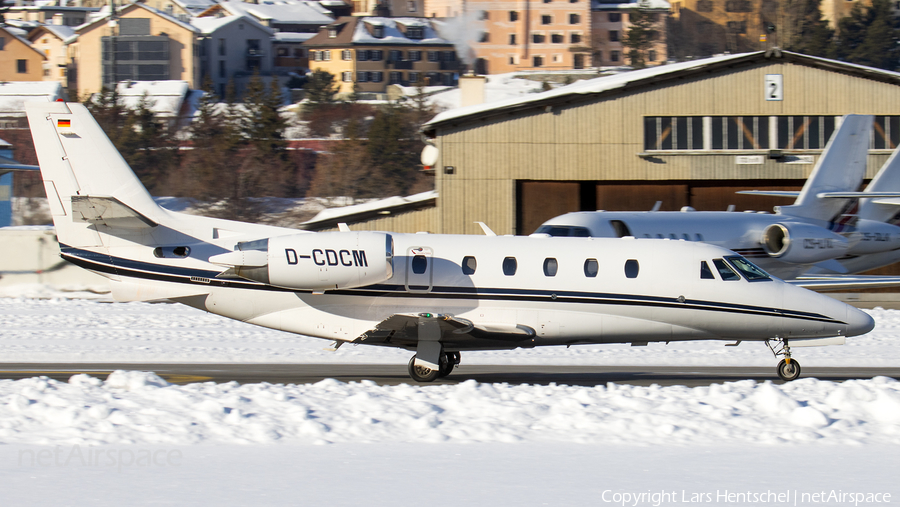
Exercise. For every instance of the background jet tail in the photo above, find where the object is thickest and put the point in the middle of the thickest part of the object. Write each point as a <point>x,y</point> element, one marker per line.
<point>82,171</point>
<point>841,167</point>
<point>883,209</point>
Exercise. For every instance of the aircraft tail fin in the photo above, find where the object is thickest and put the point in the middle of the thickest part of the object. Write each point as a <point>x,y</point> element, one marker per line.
<point>883,209</point>
<point>82,171</point>
<point>841,167</point>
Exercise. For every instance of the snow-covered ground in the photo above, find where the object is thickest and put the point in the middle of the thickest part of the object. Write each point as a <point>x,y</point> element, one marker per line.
<point>133,439</point>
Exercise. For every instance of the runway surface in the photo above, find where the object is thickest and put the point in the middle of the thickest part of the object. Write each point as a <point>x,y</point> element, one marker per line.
<point>396,374</point>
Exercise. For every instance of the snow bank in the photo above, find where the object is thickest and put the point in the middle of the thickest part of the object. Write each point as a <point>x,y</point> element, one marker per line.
<point>140,408</point>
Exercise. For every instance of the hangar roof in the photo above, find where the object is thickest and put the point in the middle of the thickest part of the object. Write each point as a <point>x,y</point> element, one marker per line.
<point>643,77</point>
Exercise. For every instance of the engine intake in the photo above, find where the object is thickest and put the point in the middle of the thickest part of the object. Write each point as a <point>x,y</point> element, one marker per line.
<point>802,243</point>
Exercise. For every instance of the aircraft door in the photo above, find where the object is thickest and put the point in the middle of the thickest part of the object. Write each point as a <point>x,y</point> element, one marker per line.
<point>419,268</point>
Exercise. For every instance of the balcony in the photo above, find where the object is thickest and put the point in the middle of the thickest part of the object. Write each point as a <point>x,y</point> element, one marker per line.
<point>400,64</point>
<point>255,53</point>
<point>454,65</point>
<point>290,61</point>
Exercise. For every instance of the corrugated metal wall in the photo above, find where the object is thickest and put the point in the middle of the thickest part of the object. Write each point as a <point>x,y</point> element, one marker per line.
<point>415,221</point>
<point>601,138</point>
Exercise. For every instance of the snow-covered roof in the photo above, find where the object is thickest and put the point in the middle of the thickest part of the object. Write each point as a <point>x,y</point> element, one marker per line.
<point>195,6</point>
<point>280,11</point>
<point>166,97</point>
<point>393,34</point>
<point>14,95</point>
<point>293,36</point>
<point>651,74</point>
<point>209,24</point>
<point>597,5</point>
<point>104,13</point>
<point>330,217</point>
<point>60,31</point>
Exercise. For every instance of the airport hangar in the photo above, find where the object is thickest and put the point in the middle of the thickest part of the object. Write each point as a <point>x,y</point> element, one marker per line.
<point>686,134</point>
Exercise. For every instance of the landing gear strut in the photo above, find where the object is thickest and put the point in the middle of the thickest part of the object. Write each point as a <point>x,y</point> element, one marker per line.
<point>788,369</point>
<point>424,374</point>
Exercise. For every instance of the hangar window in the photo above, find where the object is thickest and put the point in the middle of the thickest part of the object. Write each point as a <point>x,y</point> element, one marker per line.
<point>509,266</point>
<point>804,132</point>
<point>469,264</point>
<point>886,135</point>
<point>591,268</point>
<point>740,132</point>
<point>673,133</point>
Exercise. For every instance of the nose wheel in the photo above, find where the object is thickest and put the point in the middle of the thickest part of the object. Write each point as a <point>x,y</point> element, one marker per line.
<point>788,369</point>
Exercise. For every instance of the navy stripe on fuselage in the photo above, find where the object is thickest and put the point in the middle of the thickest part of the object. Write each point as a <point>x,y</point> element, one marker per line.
<point>161,272</point>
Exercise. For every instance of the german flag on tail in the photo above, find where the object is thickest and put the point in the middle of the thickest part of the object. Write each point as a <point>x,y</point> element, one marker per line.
<point>63,123</point>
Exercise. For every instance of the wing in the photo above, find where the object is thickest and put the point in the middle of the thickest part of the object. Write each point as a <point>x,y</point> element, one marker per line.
<point>845,282</point>
<point>403,330</point>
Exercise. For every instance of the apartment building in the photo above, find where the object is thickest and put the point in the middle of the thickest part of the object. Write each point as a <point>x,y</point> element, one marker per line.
<point>374,52</point>
<point>19,60</point>
<point>53,41</point>
<point>610,23</point>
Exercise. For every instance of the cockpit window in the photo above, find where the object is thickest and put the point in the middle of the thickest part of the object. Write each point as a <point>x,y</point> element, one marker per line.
<point>705,272</point>
<point>564,230</point>
<point>750,271</point>
<point>725,271</point>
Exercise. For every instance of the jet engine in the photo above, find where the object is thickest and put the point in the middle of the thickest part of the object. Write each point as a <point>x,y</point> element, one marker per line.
<point>315,261</point>
<point>801,243</point>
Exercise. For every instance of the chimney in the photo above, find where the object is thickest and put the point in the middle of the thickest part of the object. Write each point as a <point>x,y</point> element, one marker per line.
<point>471,88</point>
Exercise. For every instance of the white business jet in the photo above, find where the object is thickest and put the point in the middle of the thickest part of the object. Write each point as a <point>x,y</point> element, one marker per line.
<point>821,226</point>
<point>437,295</point>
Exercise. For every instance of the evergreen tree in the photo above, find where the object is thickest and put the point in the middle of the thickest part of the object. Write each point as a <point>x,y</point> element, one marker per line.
<point>639,37</point>
<point>209,162</point>
<point>869,36</point>
<point>321,89</point>
<point>808,32</point>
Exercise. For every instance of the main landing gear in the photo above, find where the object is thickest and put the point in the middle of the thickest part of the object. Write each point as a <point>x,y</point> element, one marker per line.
<point>788,369</point>
<point>420,373</point>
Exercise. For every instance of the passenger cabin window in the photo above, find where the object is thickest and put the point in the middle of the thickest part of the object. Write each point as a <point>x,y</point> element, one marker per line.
<point>419,264</point>
<point>725,271</point>
<point>750,271</point>
<point>564,230</point>
<point>509,266</point>
<point>591,268</point>
<point>550,267</point>
<point>632,268</point>
<point>620,227</point>
<point>705,272</point>
<point>469,264</point>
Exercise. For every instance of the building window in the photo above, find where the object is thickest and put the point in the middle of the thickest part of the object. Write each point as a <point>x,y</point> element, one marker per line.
<point>411,6</point>
<point>346,55</point>
<point>415,56</point>
<point>614,56</point>
<point>575,38</point>
<point>738,6</point>
<point>614,36</point>
<point>449,56</point>
<point>22,66</point>
<point>485,37</point>
<point>704,6</point>
<point>433,56</point>
<point>651,55</point>
<point>327,55</point>
<point>513,59</point>
<point>574,19</point>
<point>2,43</point>
<point>737,26</point>
<point>362,55</point>
<point>378,31</point>
<point>332,33</point>
<point>222,72</point>
<point>414,77</point>
<point>362,77</point>
<point>615,17</point>
<point>415,32</point>
<point>347,76</point>
<point>448,79</point>
<point>557,38</point>
<point>513,15</point>
<point>395,55</point>
<point>376,55</point>
<point>281,51</point>
<point>221,47</point>
<point>376,77</point>
<point>46,72</point>
<point>537,38</point>
<point>484,15</point>
<point>512,39</point>
<point>395,78</point>
<point>538,61</point>
<point>546,19</point>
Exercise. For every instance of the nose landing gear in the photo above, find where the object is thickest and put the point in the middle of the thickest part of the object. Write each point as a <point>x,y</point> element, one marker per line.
<point>788,369</point>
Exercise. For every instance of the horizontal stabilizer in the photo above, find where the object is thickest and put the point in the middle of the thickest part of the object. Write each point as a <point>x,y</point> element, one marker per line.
<point>845,282</point>
<point>107,211</point>
<point>771,193</point>
<point>832,265</point>
<point>888,201</point>
<point>855,195</point>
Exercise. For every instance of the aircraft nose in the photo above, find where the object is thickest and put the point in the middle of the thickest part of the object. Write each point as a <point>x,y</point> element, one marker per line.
<point>858,322</point>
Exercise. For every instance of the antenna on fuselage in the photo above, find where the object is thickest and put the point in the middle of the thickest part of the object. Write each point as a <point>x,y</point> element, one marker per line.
<point>487,230</point>
<point>656,206</point>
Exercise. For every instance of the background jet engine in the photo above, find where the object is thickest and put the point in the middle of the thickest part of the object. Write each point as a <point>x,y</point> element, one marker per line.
<point>316,261</point>
<point>802,243</point>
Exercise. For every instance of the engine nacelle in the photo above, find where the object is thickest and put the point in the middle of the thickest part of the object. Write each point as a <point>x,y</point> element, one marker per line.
<point>800,243</point>
<point>316,261</point>
<point>873,237</point>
